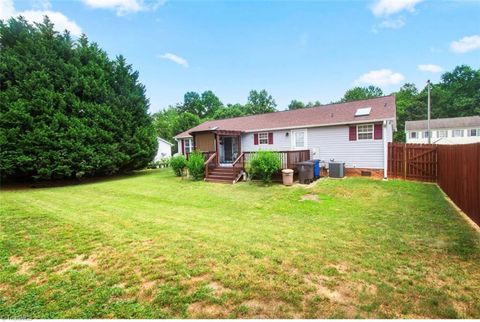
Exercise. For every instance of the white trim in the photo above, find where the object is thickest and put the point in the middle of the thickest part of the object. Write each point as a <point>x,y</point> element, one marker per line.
<point>385,149</point>
<point>317,125</point>
<point>373,132</point>
<point>305,139</point>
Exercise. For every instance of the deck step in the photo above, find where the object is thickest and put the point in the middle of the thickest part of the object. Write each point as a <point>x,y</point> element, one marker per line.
<point>221,175</point>
<point>219,180</point>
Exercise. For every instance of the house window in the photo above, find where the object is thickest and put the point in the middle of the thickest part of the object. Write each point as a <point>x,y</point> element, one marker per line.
<point>365,132</point>
<point>442,134</point>
<point>413,135</point>
<point>474,132</point>
<point>299,139</point>
<point>263,138</point>
<point>457,133</point>
<point>425,134</point>
<point>188,146</point>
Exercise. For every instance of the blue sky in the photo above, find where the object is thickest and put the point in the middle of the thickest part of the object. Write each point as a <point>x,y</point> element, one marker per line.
<point>304,50</point>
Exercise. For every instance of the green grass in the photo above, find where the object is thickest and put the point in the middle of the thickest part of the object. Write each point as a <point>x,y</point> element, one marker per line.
<point>152,245</point>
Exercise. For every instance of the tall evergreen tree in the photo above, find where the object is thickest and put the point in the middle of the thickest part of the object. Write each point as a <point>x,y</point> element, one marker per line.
<point>66,109</point>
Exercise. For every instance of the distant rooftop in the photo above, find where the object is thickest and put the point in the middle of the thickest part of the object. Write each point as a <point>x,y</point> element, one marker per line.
<point>447,123</point>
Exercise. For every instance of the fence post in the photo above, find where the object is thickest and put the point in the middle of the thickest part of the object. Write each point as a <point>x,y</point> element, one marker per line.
<point>405,161</point>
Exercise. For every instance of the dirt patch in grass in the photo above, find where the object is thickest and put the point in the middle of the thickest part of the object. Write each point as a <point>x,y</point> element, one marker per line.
<point>205,310</point>
<point>23,266</point>
<point>146,293</point>
<point>218,289</point>
<point>266,308</point>
<point>311,197</point>
<point>79,260</point>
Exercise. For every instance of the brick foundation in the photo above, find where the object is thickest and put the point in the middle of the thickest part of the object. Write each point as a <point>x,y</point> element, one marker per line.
<point>361,172</point>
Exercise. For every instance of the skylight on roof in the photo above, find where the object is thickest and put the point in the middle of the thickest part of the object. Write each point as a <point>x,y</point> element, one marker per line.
<point>363,111</point>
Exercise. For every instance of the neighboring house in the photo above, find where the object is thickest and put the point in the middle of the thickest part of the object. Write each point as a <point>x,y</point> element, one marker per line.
<point>356,133</point>
<point>457,130</point>
<point>164,149</point>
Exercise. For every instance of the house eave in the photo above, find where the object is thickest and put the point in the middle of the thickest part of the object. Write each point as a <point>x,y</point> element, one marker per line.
<point>319,125</point>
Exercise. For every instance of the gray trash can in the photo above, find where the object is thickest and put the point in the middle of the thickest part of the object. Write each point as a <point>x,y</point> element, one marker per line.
<point>305,172</point>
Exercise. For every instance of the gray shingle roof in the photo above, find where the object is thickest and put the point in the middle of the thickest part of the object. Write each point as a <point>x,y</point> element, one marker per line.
<point>447,123</point>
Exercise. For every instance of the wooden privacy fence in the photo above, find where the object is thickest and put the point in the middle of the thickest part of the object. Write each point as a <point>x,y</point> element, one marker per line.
<point>459,176</point>
<point>412,161</point>
<point>455,168</point>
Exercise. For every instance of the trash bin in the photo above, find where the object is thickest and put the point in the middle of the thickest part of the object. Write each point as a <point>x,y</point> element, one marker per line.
<point>305,172</point>
<point>316,168</point>
<point>287,176</point>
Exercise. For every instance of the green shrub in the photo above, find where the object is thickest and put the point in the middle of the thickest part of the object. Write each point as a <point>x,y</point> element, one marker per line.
<point>162,163</point>
<point>178,164</point>
<point>195,165</point>
<point>264,164</point>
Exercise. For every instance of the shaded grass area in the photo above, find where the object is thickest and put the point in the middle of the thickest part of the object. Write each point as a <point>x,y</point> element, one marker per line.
<point>155,246</point>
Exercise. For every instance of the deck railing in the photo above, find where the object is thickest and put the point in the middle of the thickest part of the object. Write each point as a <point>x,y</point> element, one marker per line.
<point>289,159</point>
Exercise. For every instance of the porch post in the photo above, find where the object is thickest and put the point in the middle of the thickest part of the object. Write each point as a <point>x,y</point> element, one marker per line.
<point>217,149</point>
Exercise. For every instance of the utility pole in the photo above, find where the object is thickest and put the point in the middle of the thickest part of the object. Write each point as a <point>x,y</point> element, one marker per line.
<point>428,113</point>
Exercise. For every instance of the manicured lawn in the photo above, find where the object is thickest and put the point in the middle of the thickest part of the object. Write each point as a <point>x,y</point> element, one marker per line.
<point>152,245</point>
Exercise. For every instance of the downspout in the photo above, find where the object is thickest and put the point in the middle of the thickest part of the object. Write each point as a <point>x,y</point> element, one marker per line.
<point>385,150</point>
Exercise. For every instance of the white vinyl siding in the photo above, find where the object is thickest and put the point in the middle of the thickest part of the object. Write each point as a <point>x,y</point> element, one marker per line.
<point>326,143</point>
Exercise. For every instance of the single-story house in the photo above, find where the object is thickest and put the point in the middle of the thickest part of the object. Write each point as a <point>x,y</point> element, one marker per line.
<point>356,133</point>
<point>455,130</point>
<point>164,149</point>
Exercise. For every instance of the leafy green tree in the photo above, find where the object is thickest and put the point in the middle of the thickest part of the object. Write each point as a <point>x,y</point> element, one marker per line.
<point>405,99</point>
<point>294,105</point>
<point>361,93</point>
<point>186,121</point>
<point>313,104</point>
<point>229,111</point>
<point>260,102</point>
<point>192,103</point>
<point>211,104</point>
<point>66,109</point>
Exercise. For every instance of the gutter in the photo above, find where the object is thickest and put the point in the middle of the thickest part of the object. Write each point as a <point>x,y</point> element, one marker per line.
<point>317,125</point>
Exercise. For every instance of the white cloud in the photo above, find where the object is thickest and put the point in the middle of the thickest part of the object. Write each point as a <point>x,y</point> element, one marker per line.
<point>174,58</point>
<point>7,9</point>
<point>60,21</point>
<point>389,7</point>
<point>431,68</point>
<point>123,7</point>
<point>381,77</point>
<point>392,23</point>
<point>465,44</point>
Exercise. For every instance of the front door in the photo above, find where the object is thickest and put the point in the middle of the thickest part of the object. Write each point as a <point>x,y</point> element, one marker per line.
<point>229,149</point>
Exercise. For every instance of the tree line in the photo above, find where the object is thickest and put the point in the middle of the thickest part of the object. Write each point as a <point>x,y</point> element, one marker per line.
<point>456,94</point>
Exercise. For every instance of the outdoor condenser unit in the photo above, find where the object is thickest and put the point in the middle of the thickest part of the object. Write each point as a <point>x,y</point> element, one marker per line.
<point>336,169</point>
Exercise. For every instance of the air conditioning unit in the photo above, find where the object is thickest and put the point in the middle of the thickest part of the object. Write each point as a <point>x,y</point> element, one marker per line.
<point>336,169</point>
